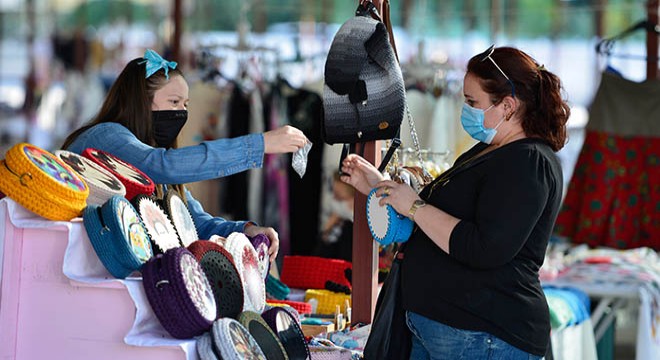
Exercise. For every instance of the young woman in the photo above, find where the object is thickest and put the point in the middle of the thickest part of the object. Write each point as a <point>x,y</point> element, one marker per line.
<point>139,121</point>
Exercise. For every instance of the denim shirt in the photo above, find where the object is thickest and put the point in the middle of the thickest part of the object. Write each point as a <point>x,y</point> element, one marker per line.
<point>208,160</point>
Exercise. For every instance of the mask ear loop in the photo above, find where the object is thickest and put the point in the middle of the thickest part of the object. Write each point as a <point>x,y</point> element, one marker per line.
<point>499,123</point>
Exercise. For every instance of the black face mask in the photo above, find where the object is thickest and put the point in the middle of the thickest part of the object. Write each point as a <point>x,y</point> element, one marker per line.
<point>167,125</point>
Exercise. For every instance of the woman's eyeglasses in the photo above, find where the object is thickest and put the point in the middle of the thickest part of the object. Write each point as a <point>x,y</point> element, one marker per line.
<point>487,55</point>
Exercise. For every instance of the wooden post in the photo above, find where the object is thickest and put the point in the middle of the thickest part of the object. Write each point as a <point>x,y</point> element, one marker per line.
<point>365,254</point>
<point>175,42</point>
<point>652,41</point>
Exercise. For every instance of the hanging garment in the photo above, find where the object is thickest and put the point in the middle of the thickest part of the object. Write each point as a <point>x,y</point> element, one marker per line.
<point>234,202</point>
<point>276,180</point>
<point>613,198</point>
<point>305,112</point>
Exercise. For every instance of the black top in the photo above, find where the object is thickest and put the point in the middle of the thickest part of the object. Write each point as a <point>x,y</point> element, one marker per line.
<point>507,201</point>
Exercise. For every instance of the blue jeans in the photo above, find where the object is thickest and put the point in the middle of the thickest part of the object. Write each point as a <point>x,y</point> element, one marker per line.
<point>432,340</point>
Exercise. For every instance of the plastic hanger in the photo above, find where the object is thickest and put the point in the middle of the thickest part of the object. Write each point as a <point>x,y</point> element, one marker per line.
<point>605,46</point>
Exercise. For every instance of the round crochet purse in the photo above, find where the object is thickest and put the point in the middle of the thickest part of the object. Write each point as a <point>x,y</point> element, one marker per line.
<point>135,181</point>
<point>204,347</point>
<point>261,243</point>
<point>42,183</point>
<point>287,327</point>
<point>386,225</point>
<point>181,219</point>
<point>179,293</point>
<point>161,231</point>
<point>263,334</point>
<point>118,236</point>
<point>232,341</point>
<point>223,276</point>
<point>102,184</point>
<point>245,258</point>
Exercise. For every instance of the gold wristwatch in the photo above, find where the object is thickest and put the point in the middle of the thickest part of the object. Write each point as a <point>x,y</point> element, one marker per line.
<point>415,206</point>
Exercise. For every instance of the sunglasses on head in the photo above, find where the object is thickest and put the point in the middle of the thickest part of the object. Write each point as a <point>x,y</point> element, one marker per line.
<point>487,55</point>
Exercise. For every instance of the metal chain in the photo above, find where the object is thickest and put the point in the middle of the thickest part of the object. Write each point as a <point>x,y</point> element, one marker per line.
<point>413,136</point>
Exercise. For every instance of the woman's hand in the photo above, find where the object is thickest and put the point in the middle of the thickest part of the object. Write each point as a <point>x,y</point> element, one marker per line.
<point>285,139</point>
<point>252,230</point>
<point>399,196</point>
<point>360,173</point>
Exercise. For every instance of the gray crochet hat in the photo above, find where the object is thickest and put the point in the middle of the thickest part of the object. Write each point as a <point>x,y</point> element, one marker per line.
<point>363,93</point>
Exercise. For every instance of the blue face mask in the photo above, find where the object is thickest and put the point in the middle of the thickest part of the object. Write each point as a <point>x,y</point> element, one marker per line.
<point>472,120</point>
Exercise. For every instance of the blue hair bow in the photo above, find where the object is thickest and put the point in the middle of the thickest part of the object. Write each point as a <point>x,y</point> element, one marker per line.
<point>155,62</point>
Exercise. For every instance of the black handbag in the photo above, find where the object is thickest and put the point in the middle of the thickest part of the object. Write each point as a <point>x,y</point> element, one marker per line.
<point>364,93</point>
<point>390,338</point>
<point>364,96</point>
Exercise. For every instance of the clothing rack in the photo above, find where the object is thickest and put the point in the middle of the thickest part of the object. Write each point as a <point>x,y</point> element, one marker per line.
<point>606,46</point>
<point>652,29</point>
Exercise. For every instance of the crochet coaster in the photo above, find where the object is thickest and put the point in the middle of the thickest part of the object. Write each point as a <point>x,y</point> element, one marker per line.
<point>102,184</point>
<point>288,330</point>
<point>245,258</point>
<point>135,181</point>
<point>276,289</point>
<point>204,347</point>
<point>161,231</point>
<point>183,222</point>
<point>232,341</point>
<point>118,236</point>
<point>222,275</point>
<point>42,183</point>
<point>386,225</point>
<point>179,293</point>
<point>268,341</point>
<point>261,243</point>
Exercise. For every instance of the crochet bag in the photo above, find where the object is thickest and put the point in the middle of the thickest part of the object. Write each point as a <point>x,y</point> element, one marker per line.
<point>231,341</point>
<point>261,243</point>
<point>363,93</point>
<point>178,212</point>
<point>263,334</point>
<point>223,276</point>
<point>179,293</point>
<point>118,236</point>
<point>42,183</point>
<point>286,325</point>
<point>364,96</point>
<point>135,181</point>
<point>204,347</point>
<point>276,289</point>
<point>102,184</point>
<point>161,231</point>
<point>385,224</point>
<point>245,258</point>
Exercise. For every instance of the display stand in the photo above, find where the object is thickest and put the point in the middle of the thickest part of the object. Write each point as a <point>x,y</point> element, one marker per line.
<point>365,255</point>
<point>46,315</point>
<point>613,285</point>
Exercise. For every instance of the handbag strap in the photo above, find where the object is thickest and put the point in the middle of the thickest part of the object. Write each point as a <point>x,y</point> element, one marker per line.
<point>368,7</point>
<point>350,148</point>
